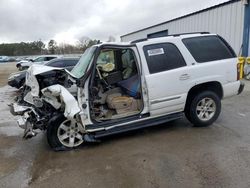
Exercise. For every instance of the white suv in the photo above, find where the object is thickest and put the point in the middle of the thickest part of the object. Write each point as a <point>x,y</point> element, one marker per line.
<point>127,86</point>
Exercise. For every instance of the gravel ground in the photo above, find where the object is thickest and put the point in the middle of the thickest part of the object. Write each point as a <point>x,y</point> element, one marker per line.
<point>169,155</point>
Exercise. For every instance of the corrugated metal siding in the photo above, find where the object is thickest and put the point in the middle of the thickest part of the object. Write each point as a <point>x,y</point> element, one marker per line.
<point>227,21</point>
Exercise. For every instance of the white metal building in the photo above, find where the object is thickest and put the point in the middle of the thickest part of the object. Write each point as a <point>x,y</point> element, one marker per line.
<point>230,19</point>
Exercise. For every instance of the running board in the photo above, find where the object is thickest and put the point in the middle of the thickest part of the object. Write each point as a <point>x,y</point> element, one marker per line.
<point>138,125</point>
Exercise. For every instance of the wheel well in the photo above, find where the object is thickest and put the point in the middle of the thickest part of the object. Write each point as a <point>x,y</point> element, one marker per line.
<point>208,86</point>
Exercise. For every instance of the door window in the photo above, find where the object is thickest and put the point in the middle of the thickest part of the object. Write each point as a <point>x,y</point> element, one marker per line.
<point>163,57</point>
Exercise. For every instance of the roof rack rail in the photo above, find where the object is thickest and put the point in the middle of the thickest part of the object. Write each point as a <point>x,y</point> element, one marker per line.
<point>179,34</point>
<point>139,40</point>
<point>173,35</point>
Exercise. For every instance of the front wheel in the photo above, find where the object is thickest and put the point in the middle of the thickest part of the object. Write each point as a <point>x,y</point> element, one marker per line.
<point>64,134</point>
<point>204,109</point>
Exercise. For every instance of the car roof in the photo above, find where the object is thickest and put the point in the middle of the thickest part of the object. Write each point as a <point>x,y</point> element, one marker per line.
<point>62,59</point>
<point>172,37</point>
<point>158,39</point>
<point>35,57</point>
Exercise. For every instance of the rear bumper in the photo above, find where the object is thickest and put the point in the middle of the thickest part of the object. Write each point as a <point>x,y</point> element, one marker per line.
<point>232,89</point>
<point>241,88</point>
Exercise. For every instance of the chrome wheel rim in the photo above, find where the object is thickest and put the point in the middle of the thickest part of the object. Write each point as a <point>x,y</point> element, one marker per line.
<point>206,109</point>
<point>69,133</point>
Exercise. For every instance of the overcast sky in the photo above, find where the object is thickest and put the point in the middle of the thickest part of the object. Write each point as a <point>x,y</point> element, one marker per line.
<point>68,20</point>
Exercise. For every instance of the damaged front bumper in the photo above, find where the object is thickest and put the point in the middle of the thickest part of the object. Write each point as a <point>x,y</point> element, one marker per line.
<point>16,109</point>
<point>25,124</point>
<point>23,121</point>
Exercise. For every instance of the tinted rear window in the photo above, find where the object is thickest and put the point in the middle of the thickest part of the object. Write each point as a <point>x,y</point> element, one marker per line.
<point>163,57</point>
<point>71,62</point>
<point>58,63</point>
<point>50,58</point>
<point>208,48</point>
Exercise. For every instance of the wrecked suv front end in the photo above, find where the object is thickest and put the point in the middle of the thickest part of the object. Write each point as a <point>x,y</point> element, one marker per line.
<point>42,98</point>
<point>49,101</point>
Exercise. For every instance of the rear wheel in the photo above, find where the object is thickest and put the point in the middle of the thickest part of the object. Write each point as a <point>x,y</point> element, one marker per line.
<point>63,133</point>
<point>203,109</point>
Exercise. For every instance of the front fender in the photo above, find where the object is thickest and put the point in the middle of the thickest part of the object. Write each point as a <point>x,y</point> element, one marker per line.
<point>71,104</point>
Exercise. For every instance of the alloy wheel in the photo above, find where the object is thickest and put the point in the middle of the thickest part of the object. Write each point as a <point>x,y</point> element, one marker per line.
<point>69,133</point>
<point>206,109</point>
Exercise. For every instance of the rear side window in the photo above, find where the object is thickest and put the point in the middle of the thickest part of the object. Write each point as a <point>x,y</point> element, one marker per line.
<point>208,48</point>
<point>163,57</point>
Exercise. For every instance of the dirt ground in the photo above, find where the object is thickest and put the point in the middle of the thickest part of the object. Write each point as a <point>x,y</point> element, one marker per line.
<point>169,155</point>
<point>5,70</point>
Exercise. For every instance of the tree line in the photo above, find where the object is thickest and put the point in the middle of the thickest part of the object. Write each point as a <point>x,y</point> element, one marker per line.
<point>39,47</point>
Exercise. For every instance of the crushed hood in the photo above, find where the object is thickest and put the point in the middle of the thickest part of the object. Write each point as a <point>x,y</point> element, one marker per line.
<point>51,93</point>
<point>34,70</point>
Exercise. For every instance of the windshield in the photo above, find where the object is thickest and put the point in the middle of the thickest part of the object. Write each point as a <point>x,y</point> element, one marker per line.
<point>79,70</point>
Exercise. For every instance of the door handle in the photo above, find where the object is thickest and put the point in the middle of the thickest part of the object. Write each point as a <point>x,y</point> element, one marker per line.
<point>184,77</point>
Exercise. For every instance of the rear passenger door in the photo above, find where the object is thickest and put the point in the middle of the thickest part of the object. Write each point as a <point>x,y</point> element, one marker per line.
<point>166,79</point>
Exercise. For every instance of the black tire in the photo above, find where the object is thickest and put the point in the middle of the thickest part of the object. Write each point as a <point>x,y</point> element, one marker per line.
<point>52,130</point>
<point>192,113</point>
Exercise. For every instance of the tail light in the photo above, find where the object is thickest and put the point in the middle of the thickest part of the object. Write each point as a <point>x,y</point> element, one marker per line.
<point>240,68</point>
